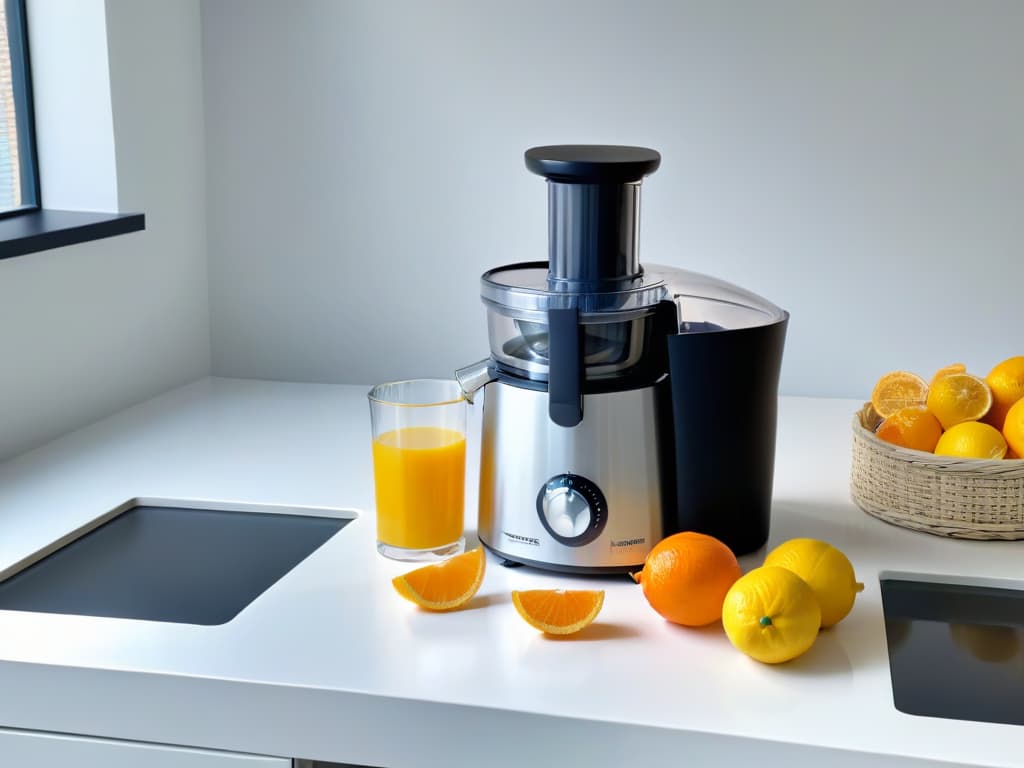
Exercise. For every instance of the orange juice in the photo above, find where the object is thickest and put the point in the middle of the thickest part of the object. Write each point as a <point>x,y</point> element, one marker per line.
<point>419,475</point>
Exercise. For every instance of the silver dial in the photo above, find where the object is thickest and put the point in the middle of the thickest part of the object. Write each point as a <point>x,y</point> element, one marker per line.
<point>567,512</point>
<point>572,509</point>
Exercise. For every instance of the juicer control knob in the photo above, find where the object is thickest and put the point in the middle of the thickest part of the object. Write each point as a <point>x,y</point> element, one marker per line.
<point>572,509</point>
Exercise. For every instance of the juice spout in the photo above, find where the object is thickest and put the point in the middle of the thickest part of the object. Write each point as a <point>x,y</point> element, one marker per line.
<point>472,378</point>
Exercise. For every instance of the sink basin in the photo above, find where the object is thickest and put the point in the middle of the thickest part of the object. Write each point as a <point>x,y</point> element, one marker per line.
<point>955,650</point>
<point>183,562</point>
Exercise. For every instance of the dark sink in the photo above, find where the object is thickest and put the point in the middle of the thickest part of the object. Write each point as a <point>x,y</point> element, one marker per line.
<point>955,649</point>
<point>169,563</point>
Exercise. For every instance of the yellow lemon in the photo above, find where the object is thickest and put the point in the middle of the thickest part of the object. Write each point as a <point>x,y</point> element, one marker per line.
<point>972,440</point>
<point>771,615</point>
<point>1013,429</point>
<point>826,570</point>
<point>1006,381</point>
<point>958,397</point>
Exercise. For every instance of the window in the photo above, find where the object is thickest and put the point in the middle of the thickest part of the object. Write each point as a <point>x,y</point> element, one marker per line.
<point>19,190</point>
<point>25,226</point>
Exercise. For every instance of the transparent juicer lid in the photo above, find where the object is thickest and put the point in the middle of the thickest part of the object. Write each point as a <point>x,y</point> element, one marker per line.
<point>524,291</point>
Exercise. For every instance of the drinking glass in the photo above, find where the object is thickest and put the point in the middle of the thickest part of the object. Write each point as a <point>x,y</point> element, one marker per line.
<point>419,467</point>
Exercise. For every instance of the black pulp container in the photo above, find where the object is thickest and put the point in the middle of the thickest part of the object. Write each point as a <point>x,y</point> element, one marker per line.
<point>724,408</point>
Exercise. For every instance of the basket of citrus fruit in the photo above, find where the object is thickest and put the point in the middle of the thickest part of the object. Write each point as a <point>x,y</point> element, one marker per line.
<point>944,455</point>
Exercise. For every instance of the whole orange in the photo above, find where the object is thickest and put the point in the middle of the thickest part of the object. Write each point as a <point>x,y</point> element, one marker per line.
<point>1013,429</point>
<point>686,577</point>
<point>1006,381</point>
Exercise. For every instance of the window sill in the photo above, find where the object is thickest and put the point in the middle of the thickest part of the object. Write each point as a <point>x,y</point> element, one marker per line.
<point>45,229</point>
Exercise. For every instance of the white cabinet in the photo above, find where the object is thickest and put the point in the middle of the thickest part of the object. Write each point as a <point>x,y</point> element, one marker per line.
<point>29,749</point>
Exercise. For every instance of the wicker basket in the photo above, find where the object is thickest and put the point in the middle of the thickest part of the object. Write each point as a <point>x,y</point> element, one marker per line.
<point>961,498</point>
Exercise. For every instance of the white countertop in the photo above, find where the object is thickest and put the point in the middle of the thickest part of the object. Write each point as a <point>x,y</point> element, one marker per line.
<point>330,663</point>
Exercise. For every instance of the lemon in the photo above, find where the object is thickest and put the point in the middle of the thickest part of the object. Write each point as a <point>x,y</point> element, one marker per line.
<point>972,440</point>
<point>771,615</point>
<point>825,569</point>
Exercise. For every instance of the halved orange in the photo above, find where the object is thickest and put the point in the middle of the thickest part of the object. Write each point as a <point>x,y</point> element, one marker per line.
<point>959,397</point>
<point>444,586</point>
<point>946,370</point>
<point>896,390</point>
<point>559,611</point>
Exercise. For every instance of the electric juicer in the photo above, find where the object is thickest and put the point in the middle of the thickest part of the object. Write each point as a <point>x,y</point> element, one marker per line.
<point>621,402</point>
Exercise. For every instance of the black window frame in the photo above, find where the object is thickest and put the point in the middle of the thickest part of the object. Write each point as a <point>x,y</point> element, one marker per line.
<point>31,228</point>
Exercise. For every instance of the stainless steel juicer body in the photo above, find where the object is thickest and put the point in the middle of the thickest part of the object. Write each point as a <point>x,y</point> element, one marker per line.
<point>582,498</point>
<point>615,394</point>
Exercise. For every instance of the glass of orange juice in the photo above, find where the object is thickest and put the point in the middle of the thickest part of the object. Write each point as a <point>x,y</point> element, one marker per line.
<point>419,467</point>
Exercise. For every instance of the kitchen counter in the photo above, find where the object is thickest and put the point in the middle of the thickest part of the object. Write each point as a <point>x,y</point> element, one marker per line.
<point>331,664</point>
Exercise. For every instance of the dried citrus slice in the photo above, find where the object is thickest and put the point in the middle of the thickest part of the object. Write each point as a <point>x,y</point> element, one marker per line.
<point>959,397</point>
<point>898,389</point>
<point>444,586</point>
<point>951,368</point>
<point>559,611</point>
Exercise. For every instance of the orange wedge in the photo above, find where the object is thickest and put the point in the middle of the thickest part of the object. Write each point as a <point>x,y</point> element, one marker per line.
<point>915,427</point>
<point>896,390</point>
<point>959,397</point>
<point>952,368</point>
<point>444,586</point>
<point>559,611</point>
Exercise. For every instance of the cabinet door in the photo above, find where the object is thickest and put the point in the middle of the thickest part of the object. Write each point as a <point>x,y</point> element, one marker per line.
<point>46,750</point>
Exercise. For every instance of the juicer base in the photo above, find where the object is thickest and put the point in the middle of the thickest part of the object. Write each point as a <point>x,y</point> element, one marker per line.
<point>511,561</point>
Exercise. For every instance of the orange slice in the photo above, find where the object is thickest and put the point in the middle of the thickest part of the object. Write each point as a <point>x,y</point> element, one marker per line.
<point>444,586</point>
<point>896,390</point>
<point>959,397</point>
<point>559,611</point>
<point>952,368</point>
<point>913,427</point>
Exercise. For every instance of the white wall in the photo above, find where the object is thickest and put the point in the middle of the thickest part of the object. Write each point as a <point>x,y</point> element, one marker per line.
<point>860,163</point>
<point>89,329</point>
